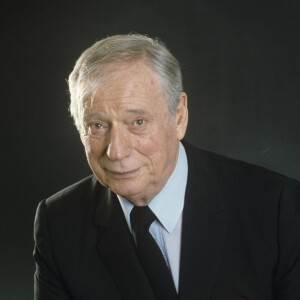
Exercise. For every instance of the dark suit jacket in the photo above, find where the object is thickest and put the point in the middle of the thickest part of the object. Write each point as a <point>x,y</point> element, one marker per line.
<point>240,238</point>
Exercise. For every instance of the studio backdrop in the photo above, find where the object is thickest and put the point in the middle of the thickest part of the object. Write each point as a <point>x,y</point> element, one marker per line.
<point>240,63</point>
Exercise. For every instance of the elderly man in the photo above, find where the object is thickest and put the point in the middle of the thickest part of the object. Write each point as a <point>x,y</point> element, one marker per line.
<point>159,219</point>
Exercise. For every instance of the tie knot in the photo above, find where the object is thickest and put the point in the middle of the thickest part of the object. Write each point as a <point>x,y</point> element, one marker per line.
<point>141,217</point>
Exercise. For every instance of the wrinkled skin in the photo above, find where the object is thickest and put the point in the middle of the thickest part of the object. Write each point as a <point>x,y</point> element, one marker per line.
<point>131,142</point>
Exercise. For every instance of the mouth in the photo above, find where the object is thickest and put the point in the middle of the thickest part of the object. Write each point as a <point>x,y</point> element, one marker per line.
<point>122,174</point>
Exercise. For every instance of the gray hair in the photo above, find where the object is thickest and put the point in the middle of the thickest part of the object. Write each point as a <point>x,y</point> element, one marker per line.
<point>90,68</point>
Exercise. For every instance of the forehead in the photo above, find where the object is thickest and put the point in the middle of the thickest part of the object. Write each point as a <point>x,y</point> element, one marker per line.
<point>128,81</point>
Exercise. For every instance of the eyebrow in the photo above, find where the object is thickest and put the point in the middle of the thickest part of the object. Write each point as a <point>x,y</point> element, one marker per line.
<point>91,116</point>
<point>135,112</point>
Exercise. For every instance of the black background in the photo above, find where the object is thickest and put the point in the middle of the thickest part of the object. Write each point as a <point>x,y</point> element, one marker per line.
<point>241,68</point>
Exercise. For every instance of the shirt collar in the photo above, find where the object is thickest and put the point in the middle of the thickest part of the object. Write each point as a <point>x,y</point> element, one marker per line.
<point>168,204</point>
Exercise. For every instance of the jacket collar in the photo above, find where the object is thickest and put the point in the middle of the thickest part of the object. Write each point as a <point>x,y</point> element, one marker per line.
<point>204,228</point>
<point>116,249</point>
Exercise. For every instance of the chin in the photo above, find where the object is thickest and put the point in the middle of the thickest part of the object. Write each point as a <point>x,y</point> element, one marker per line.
<point>124,190</point>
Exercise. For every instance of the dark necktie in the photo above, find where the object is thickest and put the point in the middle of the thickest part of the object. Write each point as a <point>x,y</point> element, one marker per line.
<point>150,255</point>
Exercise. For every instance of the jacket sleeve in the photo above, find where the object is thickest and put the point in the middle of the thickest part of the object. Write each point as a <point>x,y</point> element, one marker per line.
<point>287,278</point>
<point>48,283</point>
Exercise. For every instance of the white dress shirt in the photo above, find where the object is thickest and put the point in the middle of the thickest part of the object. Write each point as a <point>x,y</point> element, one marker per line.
<point>167,206</point>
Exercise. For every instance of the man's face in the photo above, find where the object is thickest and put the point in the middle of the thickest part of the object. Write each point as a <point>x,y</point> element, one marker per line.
<point>131,142</point>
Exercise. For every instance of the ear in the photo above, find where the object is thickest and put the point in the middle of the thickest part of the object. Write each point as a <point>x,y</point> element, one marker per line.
<point>81,135</point>
<point>182,116</point>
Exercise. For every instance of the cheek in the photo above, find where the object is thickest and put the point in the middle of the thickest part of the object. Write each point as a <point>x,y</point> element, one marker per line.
<point>157,147</point>
<point>86,144</point>
<point>161,139</point>
<point>93,149</point>
<point>149,145</point>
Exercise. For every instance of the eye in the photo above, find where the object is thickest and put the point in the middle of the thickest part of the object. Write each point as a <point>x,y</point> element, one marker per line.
<point>96,130</point>
<point>97,125</point>
<point>138,123</point>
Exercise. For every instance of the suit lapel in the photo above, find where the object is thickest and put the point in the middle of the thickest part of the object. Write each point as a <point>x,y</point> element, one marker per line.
<point>203,230</point>
<point>117,250</point>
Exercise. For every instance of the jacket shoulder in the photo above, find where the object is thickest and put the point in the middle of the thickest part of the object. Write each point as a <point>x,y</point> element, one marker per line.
<point>234,172</point>
<point>75,200</point>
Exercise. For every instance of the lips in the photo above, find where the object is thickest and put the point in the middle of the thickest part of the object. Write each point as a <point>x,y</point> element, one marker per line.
<point>123,174</point>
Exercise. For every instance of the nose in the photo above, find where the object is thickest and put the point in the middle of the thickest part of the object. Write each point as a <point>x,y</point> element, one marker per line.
<point>119,146</point>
